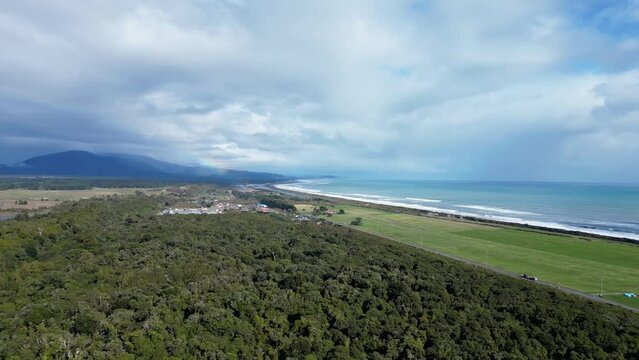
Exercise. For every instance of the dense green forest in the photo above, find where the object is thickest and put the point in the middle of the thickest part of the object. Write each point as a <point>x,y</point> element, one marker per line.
<point>110,279</point>
<point>270,200</point>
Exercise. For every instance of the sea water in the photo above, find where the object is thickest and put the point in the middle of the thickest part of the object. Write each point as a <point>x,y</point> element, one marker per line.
<point>604,209</point>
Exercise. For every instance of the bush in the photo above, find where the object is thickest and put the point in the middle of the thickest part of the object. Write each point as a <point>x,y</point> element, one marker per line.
<point>277,202</point>
<point>22,216</point>
<point>242,285</point>
<point>357,221</point>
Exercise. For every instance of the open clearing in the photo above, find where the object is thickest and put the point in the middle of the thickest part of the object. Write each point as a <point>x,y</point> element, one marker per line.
<point>36,198</point>
<point>588,265</point>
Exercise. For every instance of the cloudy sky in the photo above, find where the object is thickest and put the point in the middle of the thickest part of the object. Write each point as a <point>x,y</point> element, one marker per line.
<point>510,90</point>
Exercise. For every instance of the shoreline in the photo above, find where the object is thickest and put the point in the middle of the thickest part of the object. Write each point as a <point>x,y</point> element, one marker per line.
<point>464,216</point>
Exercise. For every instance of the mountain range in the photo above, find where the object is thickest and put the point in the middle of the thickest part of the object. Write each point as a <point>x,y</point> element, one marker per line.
<point>76,163</point>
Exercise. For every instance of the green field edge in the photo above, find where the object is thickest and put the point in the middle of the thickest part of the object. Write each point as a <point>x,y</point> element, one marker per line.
<point>572,273</point>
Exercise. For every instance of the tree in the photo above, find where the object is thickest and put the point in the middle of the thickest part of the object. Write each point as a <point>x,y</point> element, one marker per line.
<point>245,286</point>
<point>357,221</point>
<point>341,212</point>
<point>22,216</point>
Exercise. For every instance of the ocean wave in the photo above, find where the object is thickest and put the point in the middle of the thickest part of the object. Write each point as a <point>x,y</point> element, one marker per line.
<point>506,219</point>
<point>496,210</point>
<point>587,230</point>
<point>393,203</point>
<point>291,187</point>
<point>305,190</point>
<point>369,196</point>
<point>423,200</point>
<point>613,223</point>
<point>312,190</point>
<point>313,181</point>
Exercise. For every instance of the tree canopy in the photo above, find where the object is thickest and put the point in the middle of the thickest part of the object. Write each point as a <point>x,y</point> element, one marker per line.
<point>110,279</point>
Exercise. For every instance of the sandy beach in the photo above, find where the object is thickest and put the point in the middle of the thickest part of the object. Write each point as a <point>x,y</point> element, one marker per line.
<point>468,215</point>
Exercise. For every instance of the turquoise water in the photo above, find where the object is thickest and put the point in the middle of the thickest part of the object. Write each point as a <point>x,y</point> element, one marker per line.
<point>595,208</point>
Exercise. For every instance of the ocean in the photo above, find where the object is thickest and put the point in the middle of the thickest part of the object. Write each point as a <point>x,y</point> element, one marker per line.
<point>603,209</point>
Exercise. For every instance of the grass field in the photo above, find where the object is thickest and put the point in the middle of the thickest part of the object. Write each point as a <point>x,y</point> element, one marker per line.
<point>35,198</point>
<point>572,262</point>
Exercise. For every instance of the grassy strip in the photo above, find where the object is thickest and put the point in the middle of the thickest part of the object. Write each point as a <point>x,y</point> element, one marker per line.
<point>568,261</point>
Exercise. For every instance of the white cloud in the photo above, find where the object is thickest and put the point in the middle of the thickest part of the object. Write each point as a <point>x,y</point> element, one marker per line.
<point>432,88</point>
<point>611,142</point>
<point>151,35</point>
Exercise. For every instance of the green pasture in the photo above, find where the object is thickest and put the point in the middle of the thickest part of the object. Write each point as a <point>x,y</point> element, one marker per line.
<point>65,195</point>
<point>587,265</point>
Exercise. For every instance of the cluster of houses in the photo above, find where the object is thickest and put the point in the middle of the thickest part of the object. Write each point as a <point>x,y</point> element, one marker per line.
<point>298,217</point>
<point>217,208</point>
<point>305,218</point>
<point>189,211</point>
<point>261,208</point>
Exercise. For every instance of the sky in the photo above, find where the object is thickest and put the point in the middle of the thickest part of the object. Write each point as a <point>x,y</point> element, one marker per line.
<point>469,90</point>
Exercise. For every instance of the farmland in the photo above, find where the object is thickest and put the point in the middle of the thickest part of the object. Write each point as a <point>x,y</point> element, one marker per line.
<point>10,200</point>
<point>588,265</point>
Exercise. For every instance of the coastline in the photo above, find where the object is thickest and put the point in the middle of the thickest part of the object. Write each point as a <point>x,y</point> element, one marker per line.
<point>467,216</point>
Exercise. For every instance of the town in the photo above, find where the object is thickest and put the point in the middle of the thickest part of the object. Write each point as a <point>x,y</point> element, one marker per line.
<point>205,200</point>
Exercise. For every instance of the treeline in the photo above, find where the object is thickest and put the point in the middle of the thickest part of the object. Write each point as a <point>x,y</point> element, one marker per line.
<point>110,279</point>
<point>277,202</point>
<point>37,183</point>
<point>270,200</point>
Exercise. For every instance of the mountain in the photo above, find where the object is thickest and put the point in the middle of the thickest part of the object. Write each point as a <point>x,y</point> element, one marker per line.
<point>86,164</point>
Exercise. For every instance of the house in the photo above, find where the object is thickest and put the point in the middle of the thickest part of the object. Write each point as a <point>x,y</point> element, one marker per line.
<point>330,213</point>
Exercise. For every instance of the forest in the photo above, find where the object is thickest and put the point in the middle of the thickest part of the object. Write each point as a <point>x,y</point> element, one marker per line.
<point>271,200</point>
<point>111,279</point>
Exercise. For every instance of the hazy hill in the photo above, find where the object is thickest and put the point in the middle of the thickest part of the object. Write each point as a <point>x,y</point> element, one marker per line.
<point>87,164</point>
